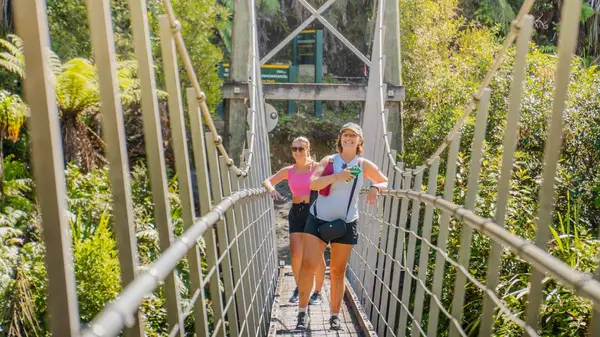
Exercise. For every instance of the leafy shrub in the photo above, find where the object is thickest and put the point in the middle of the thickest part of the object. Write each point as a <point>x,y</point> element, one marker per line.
<point>444,61</point>
<point>96,266</point>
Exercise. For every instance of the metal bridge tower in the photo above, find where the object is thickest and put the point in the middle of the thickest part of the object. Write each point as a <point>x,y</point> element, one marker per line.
<point>235,91</point>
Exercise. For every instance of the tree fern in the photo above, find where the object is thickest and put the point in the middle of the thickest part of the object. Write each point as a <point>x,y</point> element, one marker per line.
<point>77,86</point>
<point>13,60</point>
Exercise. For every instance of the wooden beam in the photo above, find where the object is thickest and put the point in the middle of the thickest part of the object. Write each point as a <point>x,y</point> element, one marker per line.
<point>310,91</point>
<point>241,55</point>
<point>393,71</point>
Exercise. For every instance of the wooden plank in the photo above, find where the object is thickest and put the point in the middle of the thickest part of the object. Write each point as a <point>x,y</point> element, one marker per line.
<point>275,307</point>
<point>365,325</point>
<point>311,91</point>
<point>284,319</point>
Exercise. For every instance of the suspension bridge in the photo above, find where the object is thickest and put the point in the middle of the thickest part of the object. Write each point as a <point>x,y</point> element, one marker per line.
<point>396,273</point>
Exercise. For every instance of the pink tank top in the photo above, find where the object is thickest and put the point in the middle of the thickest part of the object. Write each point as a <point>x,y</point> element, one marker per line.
<point>299,182</point>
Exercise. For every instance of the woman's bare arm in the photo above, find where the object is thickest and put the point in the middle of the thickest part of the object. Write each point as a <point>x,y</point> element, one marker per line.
<point>275,179</point>
<point>374,174</point>
<point>378,179</point>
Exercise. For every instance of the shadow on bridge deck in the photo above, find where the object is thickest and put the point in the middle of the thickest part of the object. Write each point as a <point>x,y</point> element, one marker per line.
<point>283,321</point>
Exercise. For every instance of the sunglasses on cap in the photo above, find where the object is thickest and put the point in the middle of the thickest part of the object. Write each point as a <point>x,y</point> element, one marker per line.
<point>298,149</point>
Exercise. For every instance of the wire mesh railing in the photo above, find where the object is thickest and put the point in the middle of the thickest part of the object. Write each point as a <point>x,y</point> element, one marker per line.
<point>231,281</point>
<point>407,277</point>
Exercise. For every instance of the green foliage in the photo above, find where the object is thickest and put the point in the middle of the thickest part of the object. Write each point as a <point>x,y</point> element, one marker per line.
<point>563,313</point>
<point>69,32</point>
<point>199,20</point>
<point>12,59</point>
<point>94,247</point>
<point>96,266</point>
<point>70,35</point>
<point>493,12</point>
<point>25,299</point>
<point>12,119</point>
<point>88,195</point>
<point>12,115</point>
<point>267,10</point>
<point>78,91</point>
<point>441,71</point>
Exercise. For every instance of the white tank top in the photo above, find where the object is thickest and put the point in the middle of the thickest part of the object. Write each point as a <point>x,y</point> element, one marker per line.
<point>333,206</point>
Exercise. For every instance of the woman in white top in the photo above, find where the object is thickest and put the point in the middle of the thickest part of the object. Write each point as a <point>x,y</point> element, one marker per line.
<point>340,203</point>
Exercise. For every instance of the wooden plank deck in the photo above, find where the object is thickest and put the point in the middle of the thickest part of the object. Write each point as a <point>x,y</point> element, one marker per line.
<point>285,313</point>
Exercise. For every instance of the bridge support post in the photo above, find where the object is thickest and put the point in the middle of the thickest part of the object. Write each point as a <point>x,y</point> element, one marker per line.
<point>392,73</point>
<point>371,117</point>
<point>31,22</point>
<point>235,109</point>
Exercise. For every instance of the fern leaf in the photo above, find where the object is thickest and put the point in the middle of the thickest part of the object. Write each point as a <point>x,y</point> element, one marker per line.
<point>10,47</point>
<point>13,68</point>
<point>17,41</point>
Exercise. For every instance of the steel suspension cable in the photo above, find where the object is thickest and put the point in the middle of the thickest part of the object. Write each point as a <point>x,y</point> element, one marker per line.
<point>191,74</point>
<point>514,32</point>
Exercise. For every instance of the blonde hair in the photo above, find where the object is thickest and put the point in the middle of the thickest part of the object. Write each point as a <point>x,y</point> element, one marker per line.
<point>310,159</point>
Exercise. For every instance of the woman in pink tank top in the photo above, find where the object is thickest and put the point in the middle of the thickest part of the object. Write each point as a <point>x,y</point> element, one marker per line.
<point>298,177</point>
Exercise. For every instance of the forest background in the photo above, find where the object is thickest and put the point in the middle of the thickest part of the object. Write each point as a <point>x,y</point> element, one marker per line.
<point>447,47</point>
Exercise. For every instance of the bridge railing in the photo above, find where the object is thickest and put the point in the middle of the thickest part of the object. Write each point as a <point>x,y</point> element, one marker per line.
<point>236,223</point>
<point>402,287</point>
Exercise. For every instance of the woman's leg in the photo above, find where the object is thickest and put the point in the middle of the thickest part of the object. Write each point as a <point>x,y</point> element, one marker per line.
<point>296,252</point>
<point>312,256</point>
<point>340,253</point>
<point>320,274</point>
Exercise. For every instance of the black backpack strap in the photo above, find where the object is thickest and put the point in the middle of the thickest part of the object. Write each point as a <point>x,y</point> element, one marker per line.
<point>351,194</point>
<point>349,200</point>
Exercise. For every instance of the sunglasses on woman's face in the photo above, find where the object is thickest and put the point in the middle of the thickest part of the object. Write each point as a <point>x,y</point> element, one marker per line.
<point>298,149</point>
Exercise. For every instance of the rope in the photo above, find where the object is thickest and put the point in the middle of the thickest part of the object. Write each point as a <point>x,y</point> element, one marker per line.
<point>201,96</point>
<point>119,313</point>
<point>437,300</point>
<point>582,283</point>
<point>503,308</point>
<point>514,32</point>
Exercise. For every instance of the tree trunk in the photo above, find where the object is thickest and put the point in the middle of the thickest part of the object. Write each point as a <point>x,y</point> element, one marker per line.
<point>77,145</point>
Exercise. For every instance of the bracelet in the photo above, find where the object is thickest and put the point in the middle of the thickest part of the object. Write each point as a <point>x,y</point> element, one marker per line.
<point>378,190</point>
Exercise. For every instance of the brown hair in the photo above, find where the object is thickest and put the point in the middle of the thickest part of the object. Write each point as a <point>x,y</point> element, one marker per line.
<point>360,149</point>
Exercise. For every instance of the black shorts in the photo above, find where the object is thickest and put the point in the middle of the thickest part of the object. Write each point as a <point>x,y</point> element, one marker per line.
<point>297,217</point>
<point>350,238</point>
